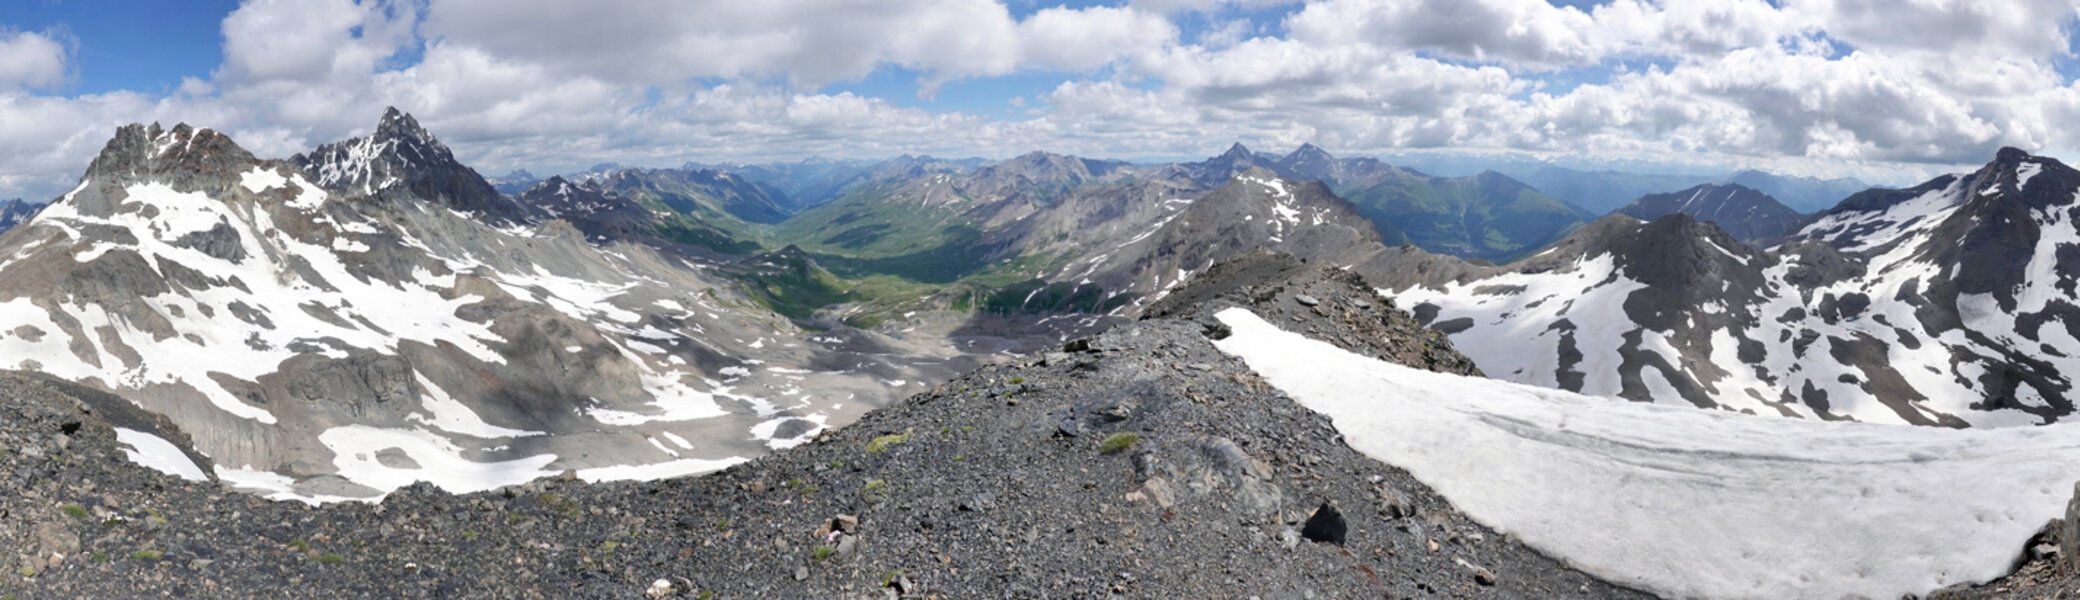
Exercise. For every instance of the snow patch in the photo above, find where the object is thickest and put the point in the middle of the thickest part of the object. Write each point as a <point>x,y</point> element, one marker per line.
<point>1691,503</point>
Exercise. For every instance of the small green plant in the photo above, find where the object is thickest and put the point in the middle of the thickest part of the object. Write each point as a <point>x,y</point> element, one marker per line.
<point>890,577</point>
<point>722,524</point>
<point>808,490</point>
<point>515,518</point>
<point>607,548</point>
<point>145,555</point>
<point>959,457</point>
<point>881,444</point>
<point>100,557</point>
<point>1017,380</point>
<point>967,428</point>
<point>74,510</point>
<point>707,595</point>
<point>837,464</point>
<point>567,508</point>
<point>1117,442</point>
<point>469,535</point>
<point>27,572</point>
<point>822,552</point>
<point>300,545</point>
<point>875,490</point>
<point>331,559</point>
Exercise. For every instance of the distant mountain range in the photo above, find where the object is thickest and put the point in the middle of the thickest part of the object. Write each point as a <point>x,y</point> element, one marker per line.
<point>1950,303</point>
<point>1748,215</point>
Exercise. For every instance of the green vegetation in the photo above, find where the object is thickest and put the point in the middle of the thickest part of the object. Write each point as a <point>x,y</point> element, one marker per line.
<point>1017,381</point>
<point>1486,216</point>
<point>331,559</point>
<point>26,572</point>
<point>98,556</point>
<point>145,555</point>
<point>1035,296</point>
<point>875,490</point>
<point>881,444</point>
<point>300,545</point>
<point>74,510</point>
<point>820,553</point>
<point>567,508</point>
<point>1117,442</point>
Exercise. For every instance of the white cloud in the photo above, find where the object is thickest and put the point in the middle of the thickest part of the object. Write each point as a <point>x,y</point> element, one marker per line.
<point>524,83</point>
<point>33,60</point>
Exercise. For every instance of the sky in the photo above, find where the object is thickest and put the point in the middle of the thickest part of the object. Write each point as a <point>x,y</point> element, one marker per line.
<point>1885,90</point>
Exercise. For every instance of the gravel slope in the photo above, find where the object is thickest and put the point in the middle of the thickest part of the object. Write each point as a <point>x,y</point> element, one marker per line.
<point>999,483</point>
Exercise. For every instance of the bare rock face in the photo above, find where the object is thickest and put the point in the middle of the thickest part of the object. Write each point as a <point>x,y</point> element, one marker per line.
<point>2069,536</point>
<point>1742,212</point>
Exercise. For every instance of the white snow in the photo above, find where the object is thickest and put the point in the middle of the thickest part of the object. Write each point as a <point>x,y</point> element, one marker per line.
<point>440,461</point>
<point>654,471</point>
<point>158,454</point>
<point>261,179</point>
<point>1691,503</point>
<point>2025,171</point>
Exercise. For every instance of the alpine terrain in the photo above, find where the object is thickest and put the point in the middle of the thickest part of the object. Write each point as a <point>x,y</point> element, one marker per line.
<point>1950,303</point>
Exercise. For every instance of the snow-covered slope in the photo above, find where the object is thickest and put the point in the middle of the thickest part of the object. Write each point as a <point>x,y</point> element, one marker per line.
<point>320,345</point>
<point>1952,303</point>
<point>1691,503</point>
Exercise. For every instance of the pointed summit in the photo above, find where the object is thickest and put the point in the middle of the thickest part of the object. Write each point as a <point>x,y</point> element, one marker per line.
<point>401,161</point>
<point>397,124</point>
<point>1238,151</point>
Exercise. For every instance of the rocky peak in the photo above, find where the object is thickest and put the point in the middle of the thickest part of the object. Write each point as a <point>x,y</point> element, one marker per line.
<point>401,161</point>
<point>138,151</point>
<point>1238,152</point>
<point>401,126</point>
<point>1742,211</point>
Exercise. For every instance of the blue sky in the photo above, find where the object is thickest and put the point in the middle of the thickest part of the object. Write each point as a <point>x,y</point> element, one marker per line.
<point>1887,90</point>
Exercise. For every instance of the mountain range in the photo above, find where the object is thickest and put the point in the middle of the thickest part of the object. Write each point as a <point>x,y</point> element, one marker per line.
<point>1949,303</point>
<point>374,313</point>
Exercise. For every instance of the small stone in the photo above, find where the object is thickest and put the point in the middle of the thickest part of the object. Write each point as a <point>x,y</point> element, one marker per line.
<point>1433,545</point>
<point>55,537</point>
<point>846,523</point>
<point>1306,300</point>
<point>1289,538</point>
<point>846,545</point>
<point>1325,526</point>
<point>1200,367</point>
<point>755,487</point>
<point>1480,574</point>
<point>659,588</point>
<point>801,573</point>
<point>198,564</point>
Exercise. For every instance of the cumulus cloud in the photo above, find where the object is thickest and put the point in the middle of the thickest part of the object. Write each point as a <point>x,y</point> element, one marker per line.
<point>32,59</point>
<point>525,83</point>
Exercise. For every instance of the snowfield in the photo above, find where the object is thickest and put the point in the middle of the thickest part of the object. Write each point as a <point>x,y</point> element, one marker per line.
<point>1685,502</point>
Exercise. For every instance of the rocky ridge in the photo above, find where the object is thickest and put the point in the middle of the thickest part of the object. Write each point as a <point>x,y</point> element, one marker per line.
<point>1141,462</point>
